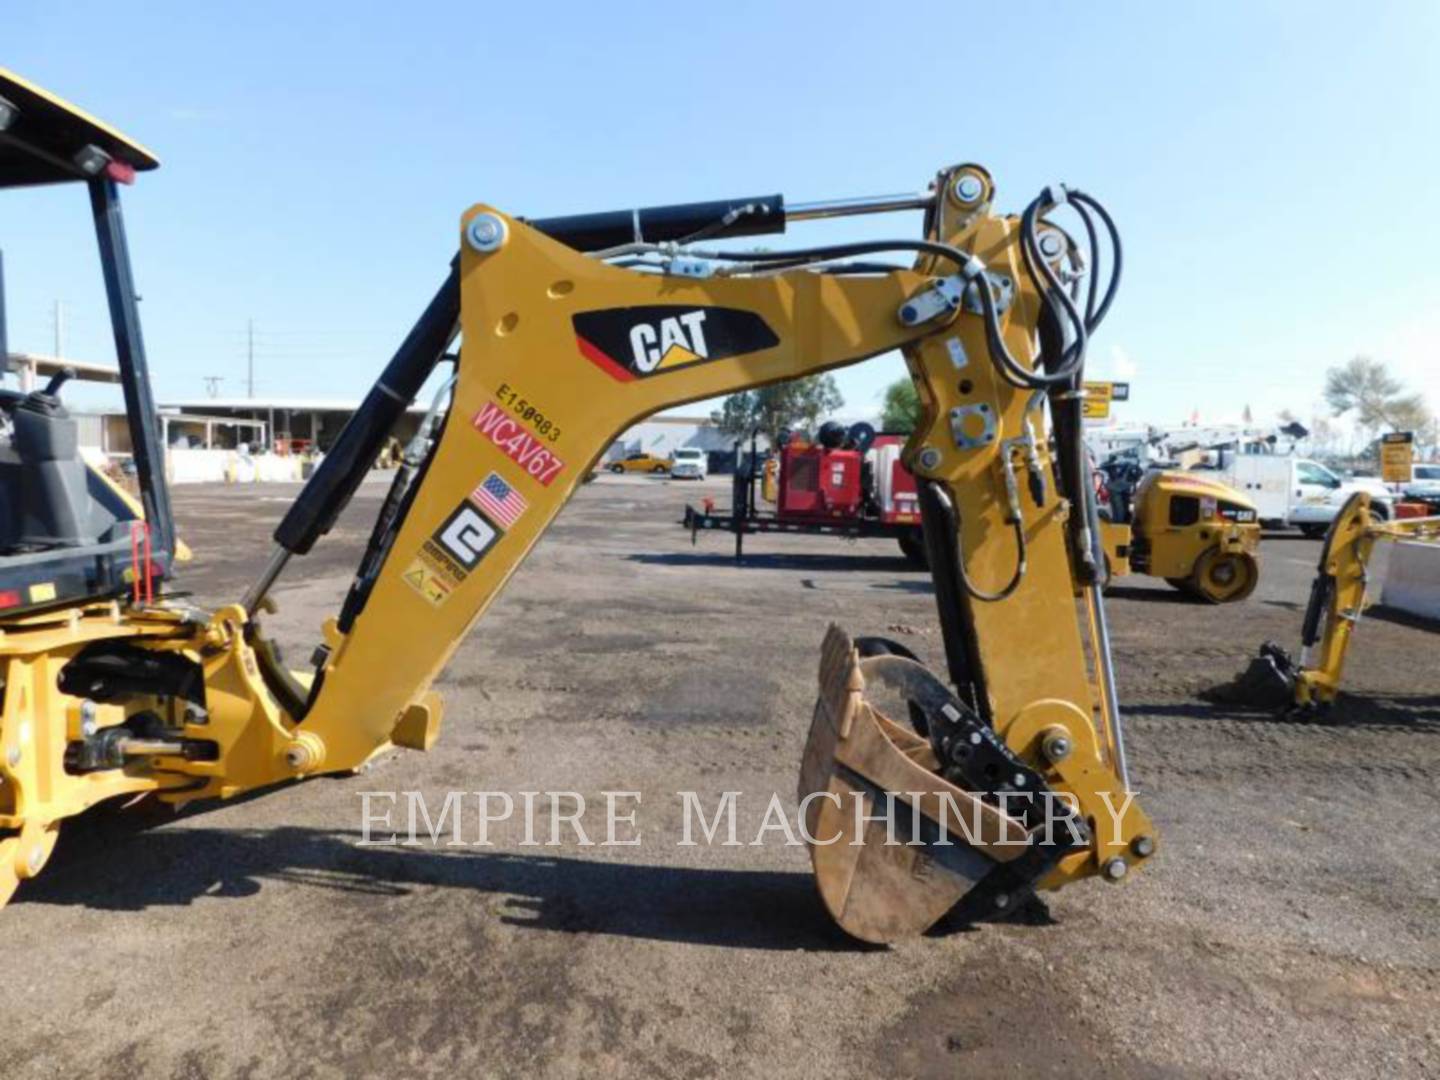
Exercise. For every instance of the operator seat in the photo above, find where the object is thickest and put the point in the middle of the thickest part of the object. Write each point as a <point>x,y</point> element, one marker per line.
<point>59,520</point>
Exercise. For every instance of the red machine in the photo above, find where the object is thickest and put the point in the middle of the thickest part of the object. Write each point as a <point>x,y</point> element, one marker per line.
<point>816,482</point>
<point>848,482</point>
<point>895,494</point>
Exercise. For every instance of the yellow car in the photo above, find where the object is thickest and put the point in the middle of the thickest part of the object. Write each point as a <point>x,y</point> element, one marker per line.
<point>645,463</point>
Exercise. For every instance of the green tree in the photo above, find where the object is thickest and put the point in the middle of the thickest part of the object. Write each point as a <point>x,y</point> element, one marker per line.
<point>1378,399</point>
<point>798,403</point>
<point>900,411</point>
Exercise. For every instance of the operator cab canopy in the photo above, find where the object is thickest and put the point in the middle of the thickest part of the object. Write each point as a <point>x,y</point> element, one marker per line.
<point>66,531</point>
<point>46,140</point>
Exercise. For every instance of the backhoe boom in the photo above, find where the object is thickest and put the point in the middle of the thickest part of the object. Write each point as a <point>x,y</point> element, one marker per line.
<point>570,330</point>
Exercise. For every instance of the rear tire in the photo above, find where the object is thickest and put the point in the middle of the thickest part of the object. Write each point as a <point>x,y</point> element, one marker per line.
<point>1225,577</point>
<point>912,545</point>
<point>1315,532</point>
<point>617,469</point>
<point>659,470</point>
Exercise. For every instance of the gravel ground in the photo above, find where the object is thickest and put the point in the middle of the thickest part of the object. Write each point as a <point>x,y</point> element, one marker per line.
<point>1286,929</point>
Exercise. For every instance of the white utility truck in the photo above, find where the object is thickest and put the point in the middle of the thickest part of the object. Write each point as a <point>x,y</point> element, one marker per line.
<point>1297,492</point>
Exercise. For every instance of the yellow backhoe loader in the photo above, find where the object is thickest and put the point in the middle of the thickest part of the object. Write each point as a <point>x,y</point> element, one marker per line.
<point>1007,774</point>
<point>1339,596</point>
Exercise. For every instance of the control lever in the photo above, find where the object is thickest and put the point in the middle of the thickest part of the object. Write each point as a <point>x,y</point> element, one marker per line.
<point>59,379</point>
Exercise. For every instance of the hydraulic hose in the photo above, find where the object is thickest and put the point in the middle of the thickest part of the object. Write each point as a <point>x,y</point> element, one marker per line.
<point>839,251</point>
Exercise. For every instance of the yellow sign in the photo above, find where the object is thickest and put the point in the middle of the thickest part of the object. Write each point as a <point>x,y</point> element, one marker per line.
<point>1099,395</point>
<point>424,580</point>
<point>1397,454</point>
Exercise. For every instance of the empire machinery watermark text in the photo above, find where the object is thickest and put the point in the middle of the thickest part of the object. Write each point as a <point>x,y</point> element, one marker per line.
<point>612,818</point>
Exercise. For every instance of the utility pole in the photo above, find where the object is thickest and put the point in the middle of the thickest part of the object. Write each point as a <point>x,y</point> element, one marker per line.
<point>59,329</point>
<point>212,384</point>
<point>250,357</point>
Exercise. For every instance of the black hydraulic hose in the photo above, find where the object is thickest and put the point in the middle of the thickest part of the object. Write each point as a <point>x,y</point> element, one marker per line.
<point>1064,362</point>
<point>862,268</point>
<point>1021,556</point>
<point>1095,568</point>
<point>840,251</point>
<point>1093,558</point>
<point>1056,297</point>
<point>1011,369</point>
<point>1007,364</point>
<point>941,533</point>
<point>955,554</point>
<point>1066,410</point>
<point>1092,291</point>
<point>1052,294</point>
<point>1116,252</point>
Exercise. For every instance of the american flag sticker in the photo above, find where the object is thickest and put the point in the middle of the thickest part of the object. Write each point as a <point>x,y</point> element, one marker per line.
<point>498,499</point>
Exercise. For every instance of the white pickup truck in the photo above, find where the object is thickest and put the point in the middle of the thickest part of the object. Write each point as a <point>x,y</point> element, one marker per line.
<point>690,463</point>
<point>1295,491</point>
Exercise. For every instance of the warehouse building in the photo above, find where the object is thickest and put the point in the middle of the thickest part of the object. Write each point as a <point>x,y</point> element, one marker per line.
<point>285,425</point>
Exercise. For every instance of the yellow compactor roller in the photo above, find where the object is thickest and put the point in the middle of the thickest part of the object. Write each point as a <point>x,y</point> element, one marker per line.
<point>1201,536</point>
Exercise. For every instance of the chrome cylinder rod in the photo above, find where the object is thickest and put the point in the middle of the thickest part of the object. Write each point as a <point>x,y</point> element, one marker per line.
<point>863,204</point>
<point>1105,661</point>
<point>257,592</point>
<point>148,747</point>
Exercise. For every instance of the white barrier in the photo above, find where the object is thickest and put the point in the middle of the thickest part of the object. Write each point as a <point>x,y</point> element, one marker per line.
<point>187,466</point>
<point>1412,580</point>
<point>197,466</point>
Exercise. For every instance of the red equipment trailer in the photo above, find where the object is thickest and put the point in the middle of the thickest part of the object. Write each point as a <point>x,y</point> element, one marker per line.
<point>847,483</point>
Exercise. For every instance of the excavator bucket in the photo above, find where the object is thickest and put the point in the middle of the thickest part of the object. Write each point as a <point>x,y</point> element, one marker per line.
<point>1268,683</point>
<point>894,845</point>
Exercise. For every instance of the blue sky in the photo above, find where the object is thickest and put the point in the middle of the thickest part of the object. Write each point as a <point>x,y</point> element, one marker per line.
<point>1273,166</point>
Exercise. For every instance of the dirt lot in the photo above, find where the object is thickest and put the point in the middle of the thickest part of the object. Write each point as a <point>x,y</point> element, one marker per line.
<point>1288,927</point>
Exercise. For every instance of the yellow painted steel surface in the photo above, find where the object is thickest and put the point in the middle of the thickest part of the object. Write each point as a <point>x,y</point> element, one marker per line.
<point>548,375</point>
